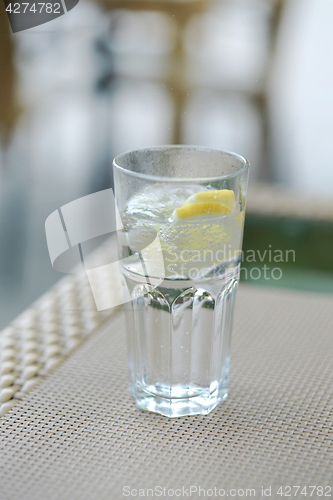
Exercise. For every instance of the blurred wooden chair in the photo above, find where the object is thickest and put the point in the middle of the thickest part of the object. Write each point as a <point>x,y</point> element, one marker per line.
<point>181,11</point>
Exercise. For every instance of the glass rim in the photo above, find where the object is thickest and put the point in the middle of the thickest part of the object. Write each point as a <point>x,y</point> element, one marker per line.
<point>244,167</point>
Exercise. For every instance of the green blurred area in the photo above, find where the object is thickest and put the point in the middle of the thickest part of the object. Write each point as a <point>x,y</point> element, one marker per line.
<point>305,248</point>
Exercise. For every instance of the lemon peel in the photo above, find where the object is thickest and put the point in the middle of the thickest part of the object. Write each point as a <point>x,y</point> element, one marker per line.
<point>225,197</point>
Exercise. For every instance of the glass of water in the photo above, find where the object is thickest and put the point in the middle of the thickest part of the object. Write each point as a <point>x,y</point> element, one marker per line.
<point>180,225</point>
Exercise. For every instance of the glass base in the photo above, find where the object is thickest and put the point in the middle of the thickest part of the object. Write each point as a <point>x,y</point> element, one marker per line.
<point>201,404</point>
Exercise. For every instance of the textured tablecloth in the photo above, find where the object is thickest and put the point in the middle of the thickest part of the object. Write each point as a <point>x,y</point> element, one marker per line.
<point>79,435</point>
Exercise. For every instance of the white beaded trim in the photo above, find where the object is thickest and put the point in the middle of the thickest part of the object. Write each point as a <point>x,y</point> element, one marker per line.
<point>43,335</point>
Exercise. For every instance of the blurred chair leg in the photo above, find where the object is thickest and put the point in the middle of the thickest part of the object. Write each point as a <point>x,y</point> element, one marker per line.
<point>177,80</point>
<point>8,107</point>
<point>261,101</point>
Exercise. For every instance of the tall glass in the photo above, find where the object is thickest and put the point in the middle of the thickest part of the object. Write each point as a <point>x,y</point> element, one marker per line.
<point>181,217</point>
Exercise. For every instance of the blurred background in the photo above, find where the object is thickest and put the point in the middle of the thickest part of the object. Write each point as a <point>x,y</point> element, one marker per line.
<point>250,76</point>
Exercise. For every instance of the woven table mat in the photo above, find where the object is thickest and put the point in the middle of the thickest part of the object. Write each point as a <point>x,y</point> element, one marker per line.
<point>79,435</point>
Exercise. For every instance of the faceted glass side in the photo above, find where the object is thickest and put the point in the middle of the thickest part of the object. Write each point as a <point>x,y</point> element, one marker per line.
<point>179,348</point>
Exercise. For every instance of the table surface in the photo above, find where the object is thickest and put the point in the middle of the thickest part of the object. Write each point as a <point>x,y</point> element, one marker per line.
<point>79,435</point>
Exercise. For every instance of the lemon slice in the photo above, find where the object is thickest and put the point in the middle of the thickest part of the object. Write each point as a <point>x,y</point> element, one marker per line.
<point>225,197</point>
<point>215,202</point>
<point>196,209</point>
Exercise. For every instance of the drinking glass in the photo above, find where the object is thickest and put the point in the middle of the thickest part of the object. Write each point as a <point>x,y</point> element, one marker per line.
<point>180,225</point>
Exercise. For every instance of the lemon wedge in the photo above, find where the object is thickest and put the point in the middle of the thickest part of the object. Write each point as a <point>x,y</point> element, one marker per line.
<point>225,197</point>
<point>195,209</point>
<point>215,202</point>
